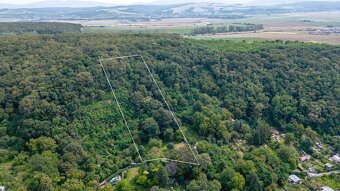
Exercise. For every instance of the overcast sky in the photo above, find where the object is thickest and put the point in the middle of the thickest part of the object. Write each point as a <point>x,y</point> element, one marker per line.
<point>104,1</point>
<point>148,1</point>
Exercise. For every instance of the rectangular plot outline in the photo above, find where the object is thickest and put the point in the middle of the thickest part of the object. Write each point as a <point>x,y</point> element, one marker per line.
<point>166,103</point>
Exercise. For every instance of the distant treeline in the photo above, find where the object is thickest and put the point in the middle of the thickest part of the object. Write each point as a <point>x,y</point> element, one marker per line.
<point>38,27</point>
<point>223,29</point>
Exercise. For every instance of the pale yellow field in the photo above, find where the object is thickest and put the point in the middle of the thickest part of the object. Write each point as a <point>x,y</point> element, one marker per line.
<point>282,36</point>
<point>292,26</point>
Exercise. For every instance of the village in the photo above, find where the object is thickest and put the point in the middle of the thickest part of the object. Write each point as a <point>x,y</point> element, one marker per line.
<point>313,168</point>
<point>324,31</point>
<point>312,173</point>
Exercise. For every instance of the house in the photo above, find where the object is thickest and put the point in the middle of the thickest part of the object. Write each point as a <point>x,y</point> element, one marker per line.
<point>335,159</point>
<point>304,158</point>
<point>294,179</point>
<point>115,180</point>
<point>277,136</point>
<point>328,166</point>
<point>326,188</point>
<point>320,145</point>
<point>312,170</point>
<point>311,175</point>
<point>315,149</point>
<point>2,188</point>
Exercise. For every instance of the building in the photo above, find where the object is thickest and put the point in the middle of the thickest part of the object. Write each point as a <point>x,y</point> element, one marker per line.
<point>328,166</point>
<point>304,158</point>
<point>326,188</point>
<point>311,175</point>
<point>2,188</point>
<point>312,170</point>
<point>277,136</point>
<point>294,179</point>
<point>115,180</point>
<point>324,31</point>
<point>315,149</point>
<point>320,145</point>
<point>335,159</point>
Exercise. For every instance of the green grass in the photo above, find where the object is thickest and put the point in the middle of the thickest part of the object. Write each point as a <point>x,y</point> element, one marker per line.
<point>129,176</point>
<point>131,173</point>
<point>330,181</point>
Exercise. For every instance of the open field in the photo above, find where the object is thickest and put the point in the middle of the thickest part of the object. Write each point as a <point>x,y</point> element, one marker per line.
<point>173,25</point>
<point>153,23</point>
<point>172,30</point>
<point>291,26</point>
<point>300,18</point>
<point>276,35</point>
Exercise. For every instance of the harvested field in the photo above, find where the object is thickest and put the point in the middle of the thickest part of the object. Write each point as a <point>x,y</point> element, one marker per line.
<point>277,35</point>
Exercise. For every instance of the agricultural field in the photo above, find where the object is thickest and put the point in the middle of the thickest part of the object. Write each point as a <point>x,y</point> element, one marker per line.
<point>285,36</point>
<point>292,26</point>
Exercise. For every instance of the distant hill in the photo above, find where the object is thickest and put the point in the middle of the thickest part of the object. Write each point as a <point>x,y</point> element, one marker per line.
<point>89,3</point>
<point>58,3</point>
<point>244,2</point>
<point>279,2</point>
<point>168,2</point>
<point>67,10</point>
<point>315,5</point>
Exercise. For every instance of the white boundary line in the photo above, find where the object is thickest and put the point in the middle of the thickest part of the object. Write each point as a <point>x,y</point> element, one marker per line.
<point>166,103</point>
<point>121,111</point>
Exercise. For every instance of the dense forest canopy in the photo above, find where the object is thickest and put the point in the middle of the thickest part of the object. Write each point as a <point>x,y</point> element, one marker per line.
<point>38,27</point>
<point>61,130</point>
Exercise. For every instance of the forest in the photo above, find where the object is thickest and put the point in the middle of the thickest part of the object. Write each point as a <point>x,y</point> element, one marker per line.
<point>224,29</point>
<point>38,27</point>
<point>60,128</point>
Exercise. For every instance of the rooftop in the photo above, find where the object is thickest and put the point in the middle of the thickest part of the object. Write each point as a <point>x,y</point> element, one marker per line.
<point>304,157</point>
<point>326,188</point>
<point>335,158</point>
<point>294,178</point>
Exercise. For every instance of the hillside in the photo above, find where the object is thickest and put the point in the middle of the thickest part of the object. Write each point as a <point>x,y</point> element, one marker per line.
<point>150,11</point>
<point>60,128</point>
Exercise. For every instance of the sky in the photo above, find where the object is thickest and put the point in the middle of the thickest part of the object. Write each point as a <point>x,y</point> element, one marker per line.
<point>144,1</point>
<point>104,1</point>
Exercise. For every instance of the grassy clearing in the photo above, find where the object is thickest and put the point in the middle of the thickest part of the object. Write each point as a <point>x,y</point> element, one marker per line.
<point>131,173</point>
<point>332,181</point>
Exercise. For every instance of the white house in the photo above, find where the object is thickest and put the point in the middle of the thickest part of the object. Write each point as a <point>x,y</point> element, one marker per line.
<point>294,179</point>
<point>328,166</point>
<point>335,159</point>
<point>2,188</point>
<point>326,188</point>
